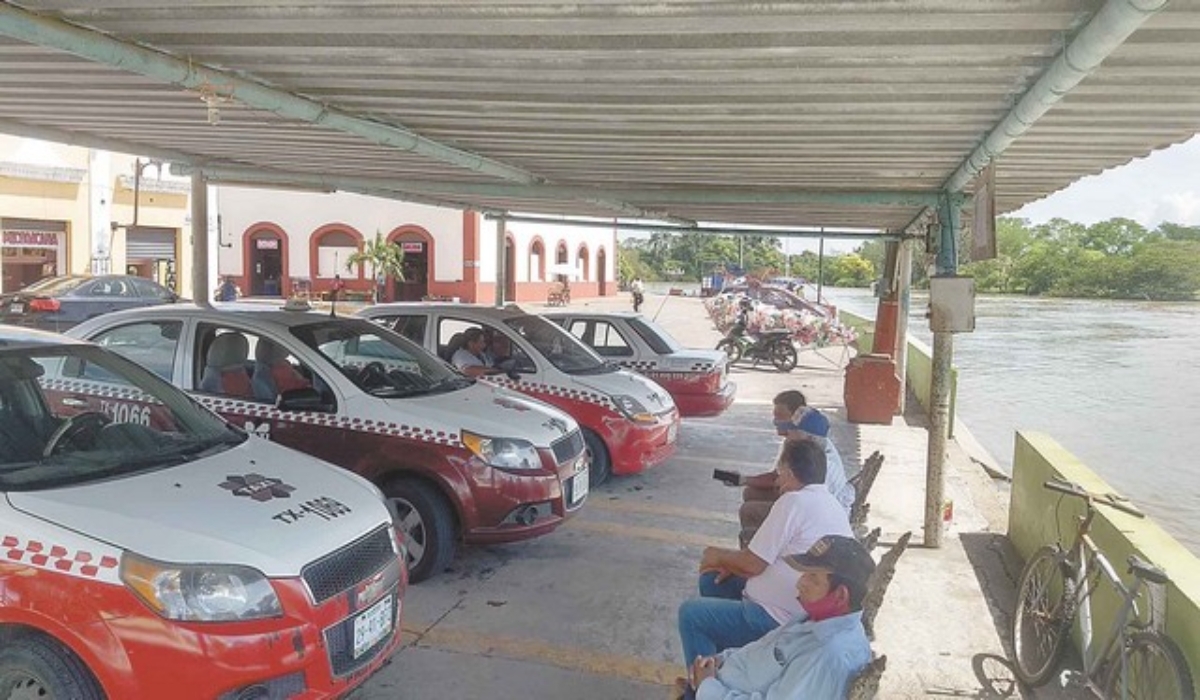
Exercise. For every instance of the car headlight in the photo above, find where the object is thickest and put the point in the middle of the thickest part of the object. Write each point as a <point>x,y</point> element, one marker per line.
<point>505,453</point>
<point>200,593</point>
<point>634,409</point>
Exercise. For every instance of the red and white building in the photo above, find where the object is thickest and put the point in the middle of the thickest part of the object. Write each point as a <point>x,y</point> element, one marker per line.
<point>281,242</point>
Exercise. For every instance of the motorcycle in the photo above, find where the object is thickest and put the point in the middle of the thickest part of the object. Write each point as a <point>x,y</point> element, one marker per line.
<point>774,346</point>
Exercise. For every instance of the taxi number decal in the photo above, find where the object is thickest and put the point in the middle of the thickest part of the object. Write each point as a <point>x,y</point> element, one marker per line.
<point>126,413</point>
<point>670,376</point>
<point>324,507</point>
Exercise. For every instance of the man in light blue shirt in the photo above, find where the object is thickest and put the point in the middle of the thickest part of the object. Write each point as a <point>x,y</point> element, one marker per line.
<point>808,658</point>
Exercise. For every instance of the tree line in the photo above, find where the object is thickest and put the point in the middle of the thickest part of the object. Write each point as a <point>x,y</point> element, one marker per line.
<point>1116,259</point>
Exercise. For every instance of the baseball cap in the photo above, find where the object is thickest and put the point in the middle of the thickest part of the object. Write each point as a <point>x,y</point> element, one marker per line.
<point>843,556</point>
<point>814,423</point>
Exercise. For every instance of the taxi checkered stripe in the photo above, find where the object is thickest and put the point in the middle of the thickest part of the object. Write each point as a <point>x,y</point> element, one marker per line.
<point>257,411</point>
<point>56,557</point>
<point>99,389</point>
<point>652,366</point>
<point>526,387</point>
<point>639,365</point>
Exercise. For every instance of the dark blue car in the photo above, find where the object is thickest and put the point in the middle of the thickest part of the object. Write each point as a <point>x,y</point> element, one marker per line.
<point>57,303</point>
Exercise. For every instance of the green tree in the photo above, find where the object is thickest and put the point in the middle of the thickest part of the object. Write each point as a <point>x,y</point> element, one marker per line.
<point>383,257</point>
<point>851,270</point>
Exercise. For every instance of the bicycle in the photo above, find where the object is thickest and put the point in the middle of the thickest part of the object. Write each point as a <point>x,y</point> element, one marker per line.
<point>1136,660</point>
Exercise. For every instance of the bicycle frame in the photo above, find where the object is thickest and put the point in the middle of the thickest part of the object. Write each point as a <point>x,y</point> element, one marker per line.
<point>1083,554</point>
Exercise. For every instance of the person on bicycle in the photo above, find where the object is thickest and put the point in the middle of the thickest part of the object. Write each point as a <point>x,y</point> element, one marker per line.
<point>814,655</point>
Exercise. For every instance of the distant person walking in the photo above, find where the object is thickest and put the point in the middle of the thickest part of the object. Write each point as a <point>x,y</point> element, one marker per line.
<point>639,293</point>
<point>228,291</point>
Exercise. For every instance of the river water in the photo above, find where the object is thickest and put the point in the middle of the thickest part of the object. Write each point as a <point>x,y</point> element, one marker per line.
<point>1116,383</point>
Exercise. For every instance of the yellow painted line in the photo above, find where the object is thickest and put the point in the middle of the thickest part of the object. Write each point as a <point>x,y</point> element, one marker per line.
<point>652,508</point>
<point>649,533</point>
<point>583,660</point>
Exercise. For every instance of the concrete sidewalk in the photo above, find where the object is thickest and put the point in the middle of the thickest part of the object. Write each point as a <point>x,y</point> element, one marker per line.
<point>589,611</point>
<point>947,610</point>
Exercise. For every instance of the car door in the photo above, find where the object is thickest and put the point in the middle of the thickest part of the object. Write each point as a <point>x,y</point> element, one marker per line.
<point>609,341</point>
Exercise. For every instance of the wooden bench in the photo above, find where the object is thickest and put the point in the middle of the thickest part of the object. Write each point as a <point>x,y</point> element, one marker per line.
<point>878,584</point>
<point>862,483</point>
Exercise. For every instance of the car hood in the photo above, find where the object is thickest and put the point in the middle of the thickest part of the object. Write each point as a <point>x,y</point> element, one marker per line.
<point>626,383</point>
<point>490,410</point>
<point>207,511</point>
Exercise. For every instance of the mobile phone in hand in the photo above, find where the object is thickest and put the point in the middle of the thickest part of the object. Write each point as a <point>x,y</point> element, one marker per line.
<point>729,478</point>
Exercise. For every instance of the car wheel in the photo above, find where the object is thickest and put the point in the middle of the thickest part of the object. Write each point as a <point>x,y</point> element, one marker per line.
<point>601,467</point>
<point>39,667</point>
<point>425,518</point>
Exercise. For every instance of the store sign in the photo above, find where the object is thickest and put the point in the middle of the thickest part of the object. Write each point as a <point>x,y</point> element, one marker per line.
<point>411,246</point>
<point>266,243</point>
<point>30,239</point>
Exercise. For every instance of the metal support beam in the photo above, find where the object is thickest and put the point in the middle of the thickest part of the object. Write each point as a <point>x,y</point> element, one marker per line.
<point>99,143</point>
<point>939,391</point>
<point>656,196</point>
<point>201,287</point>
<point>1106,31</point>
<point>501,260</point>
<point>711,229</point>
<point>55,33</point>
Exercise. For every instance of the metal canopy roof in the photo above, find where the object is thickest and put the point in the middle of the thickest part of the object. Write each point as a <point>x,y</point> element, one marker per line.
<point>824,113</point>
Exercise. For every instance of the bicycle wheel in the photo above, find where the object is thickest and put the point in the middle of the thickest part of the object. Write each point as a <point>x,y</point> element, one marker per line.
<point>1151,668</point>
<point>1045,608</point>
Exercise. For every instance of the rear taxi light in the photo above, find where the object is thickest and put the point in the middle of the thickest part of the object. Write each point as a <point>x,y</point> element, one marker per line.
<point>44,304</point>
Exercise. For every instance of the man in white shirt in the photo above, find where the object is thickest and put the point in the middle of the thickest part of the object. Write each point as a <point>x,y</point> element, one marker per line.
<point>745,593</point>
<point>469,359</point>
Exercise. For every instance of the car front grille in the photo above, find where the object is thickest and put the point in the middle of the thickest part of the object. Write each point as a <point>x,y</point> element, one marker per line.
<point>350,565</point>
<point>567,447</point>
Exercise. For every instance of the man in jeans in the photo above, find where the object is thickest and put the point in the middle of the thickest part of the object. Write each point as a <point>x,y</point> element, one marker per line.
<point>745,593</point>
<point>812,656</point>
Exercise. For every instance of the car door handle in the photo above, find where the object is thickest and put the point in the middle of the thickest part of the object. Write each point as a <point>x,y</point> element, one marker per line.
<point>74,402</point>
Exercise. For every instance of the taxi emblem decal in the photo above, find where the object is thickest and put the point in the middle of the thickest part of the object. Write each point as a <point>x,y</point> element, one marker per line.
<point>258,487</point>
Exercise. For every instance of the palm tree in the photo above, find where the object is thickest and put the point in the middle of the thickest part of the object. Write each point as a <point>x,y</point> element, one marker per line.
<point>386,259</point>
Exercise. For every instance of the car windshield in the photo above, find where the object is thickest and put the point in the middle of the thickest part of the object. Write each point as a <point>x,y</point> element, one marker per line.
<point>658,339</point>
<point>75,414</point>
<point>560,348</point>
<point>54,285</point>
<point>378,361</point>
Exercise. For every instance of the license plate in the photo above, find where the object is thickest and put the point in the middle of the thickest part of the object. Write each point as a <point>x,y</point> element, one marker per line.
<point>16,308</point>
<point>672,432</point>
<point>372,626</point>
<point>579,487</point>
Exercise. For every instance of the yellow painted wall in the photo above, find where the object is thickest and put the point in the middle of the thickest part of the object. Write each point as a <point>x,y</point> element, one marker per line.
<point>919,369</point>
<point>1037,515</point>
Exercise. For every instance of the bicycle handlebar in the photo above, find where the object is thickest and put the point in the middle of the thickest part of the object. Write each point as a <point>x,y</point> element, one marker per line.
<point>1108,499</point>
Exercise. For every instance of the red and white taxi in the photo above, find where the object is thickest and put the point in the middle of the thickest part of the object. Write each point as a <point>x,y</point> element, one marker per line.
<point>458,458</point>
<point>698,379</point>
<point>149,550</point>
<point>629,422</point>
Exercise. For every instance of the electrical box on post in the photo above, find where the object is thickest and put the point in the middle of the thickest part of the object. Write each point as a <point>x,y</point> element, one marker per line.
<point>952,304</point>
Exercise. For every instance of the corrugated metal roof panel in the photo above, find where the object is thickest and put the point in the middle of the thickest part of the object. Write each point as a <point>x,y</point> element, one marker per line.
<point>764,97</point>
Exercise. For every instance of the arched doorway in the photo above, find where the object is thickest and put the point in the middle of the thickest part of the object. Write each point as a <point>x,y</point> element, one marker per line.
<point>417,246</point>
<point>510,270</point>
<point>265,250</point>
<point>583,262</point>
<point>601,272</point>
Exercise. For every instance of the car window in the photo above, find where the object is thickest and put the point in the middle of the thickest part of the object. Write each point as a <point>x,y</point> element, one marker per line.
<point>658,339</point>
<point>59,430</point>
<point>560,348</point>
<point>606,339</point>
<point>498,348</point>
<point>149,290</point>
<point>245,364</point>
<point>378,361</point>
<point>151,344</point>
<point>411,327</point>
<point>108,288</point>
<point>54,285</point>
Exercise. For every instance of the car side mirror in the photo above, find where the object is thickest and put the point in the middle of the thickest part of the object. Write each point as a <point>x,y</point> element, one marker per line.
<point>305,399</point>
<point>513,375</point>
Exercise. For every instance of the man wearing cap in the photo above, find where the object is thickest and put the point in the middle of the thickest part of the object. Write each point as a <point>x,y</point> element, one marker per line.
<point>811,657</point>
<point>795,420</point>
<point>745,593</point>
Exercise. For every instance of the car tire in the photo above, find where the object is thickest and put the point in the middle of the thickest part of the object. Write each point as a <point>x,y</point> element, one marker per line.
<point>37,666</point>
<point>427,522</point>
<point>601,467</point>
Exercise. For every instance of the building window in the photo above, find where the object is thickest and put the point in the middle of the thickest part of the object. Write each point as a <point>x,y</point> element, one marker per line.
<point>333,249</point>
<point>537,262</point>
<point>584,263</point>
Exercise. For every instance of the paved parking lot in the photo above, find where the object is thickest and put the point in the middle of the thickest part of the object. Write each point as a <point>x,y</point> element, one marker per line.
<point>589,611</point>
